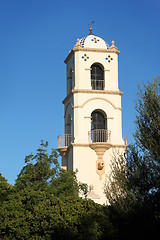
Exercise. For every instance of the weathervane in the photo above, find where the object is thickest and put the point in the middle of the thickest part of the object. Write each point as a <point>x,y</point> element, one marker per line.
<point>90,27</point>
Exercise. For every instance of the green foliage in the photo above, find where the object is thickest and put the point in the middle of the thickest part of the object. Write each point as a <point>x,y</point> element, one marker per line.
<point>133,189</point>
<point>141,174</point>
<point>45,204</point>
<point>65,185</point>
<point>117,188</point>
<point>5,188</point>
<point>147,122</point>
<point>40,169</point>
<point>144,157</point>
<point>37,215</point>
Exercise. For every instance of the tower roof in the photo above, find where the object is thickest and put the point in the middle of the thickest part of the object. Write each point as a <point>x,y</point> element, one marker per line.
<point>92,41</point>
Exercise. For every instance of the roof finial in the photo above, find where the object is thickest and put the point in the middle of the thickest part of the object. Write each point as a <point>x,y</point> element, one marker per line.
<point>90,27</point>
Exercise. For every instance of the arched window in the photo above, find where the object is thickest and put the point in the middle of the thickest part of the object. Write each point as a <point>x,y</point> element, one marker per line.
<point>99,131</point>
<point>97,77</point>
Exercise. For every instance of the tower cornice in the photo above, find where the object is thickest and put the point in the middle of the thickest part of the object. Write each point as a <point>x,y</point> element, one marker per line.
<point>91,92</point>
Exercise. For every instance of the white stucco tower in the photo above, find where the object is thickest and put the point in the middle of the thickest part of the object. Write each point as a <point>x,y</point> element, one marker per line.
<point>92,113</point>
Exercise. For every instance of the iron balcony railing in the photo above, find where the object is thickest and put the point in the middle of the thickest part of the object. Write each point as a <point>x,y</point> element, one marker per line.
<point>97,84</point>
<point>64,140</point>
<point>99,135</point>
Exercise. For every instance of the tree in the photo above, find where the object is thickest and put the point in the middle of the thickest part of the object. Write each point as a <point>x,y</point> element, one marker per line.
<point>117,187</point>
<point>143,160</point>
<point>36,215</point>
<point>147,134</point>
<point>40,169</point>
<point>141,175</point>
<point>147,121</point>
<point>5,188</point>
<point>135,180</point>
<point>45,204</point>
<point>42,172</point>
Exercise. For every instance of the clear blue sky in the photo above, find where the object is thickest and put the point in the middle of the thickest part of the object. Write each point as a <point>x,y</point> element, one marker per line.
<point>35,38</point>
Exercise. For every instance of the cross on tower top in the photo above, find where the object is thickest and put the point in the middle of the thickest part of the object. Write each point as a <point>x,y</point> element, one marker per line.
<point>91,27</point>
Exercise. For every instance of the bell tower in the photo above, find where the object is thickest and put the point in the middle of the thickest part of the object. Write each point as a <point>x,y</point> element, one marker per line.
<point>92,113</point>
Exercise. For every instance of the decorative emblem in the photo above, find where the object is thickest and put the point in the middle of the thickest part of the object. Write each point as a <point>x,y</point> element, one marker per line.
<point>109,58</point>
<point>85,57</point>
<point>95,40</point>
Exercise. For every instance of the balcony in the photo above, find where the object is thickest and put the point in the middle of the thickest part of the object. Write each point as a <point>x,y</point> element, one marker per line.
<point>97,84</point>
<point>99,135</point>
<point>63,142</point>
<point>100,140</point>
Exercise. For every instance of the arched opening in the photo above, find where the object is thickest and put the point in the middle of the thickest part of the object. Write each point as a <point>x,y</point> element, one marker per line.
<point>99,131</point>
<point>97,76</point>
<point>67,136</point>
<point>69,81</point>
<point>98,120</point>
<point>68,125</point>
